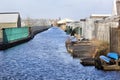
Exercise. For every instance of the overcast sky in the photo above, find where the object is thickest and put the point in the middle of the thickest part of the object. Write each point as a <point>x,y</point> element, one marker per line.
<point>73,9</point>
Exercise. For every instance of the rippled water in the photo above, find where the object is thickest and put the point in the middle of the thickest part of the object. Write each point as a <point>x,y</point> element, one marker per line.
<point>45,58</point>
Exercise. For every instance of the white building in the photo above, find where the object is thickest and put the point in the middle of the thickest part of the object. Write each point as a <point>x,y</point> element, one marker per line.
<point>88,25</point>
<point>116,10</point>
<point>63,23</point>
<point>9,19</point>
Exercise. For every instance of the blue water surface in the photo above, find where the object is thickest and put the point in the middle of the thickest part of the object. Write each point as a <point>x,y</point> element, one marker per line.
<point>45,58</point>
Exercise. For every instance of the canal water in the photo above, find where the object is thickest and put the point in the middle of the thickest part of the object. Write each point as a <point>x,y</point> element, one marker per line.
<point>45,58</point>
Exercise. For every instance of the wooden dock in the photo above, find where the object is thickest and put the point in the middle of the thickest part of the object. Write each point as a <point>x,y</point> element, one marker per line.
<point>84,50</point>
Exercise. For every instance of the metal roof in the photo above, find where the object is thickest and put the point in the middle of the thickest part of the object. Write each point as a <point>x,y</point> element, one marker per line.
<point>9,17</point>
<point>102,15</point>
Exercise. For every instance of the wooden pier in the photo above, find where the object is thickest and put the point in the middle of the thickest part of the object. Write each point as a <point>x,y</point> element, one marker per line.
<point>84,50</point>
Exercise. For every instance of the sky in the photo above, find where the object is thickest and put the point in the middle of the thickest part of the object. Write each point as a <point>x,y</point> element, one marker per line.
<point>72,9</point>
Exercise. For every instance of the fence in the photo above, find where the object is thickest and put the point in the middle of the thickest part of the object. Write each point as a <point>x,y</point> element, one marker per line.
<point>115,40</point>
<point>102,31</point>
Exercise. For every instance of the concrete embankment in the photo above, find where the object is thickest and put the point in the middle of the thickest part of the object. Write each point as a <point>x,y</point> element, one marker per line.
<point>33,31</point>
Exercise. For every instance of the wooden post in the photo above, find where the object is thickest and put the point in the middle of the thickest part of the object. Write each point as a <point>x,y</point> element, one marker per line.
<point>119,24</point>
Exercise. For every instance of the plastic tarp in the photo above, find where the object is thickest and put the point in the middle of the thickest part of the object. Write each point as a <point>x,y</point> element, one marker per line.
<point>106,59</point>
<point>14,34</point>
<point>113,55</point>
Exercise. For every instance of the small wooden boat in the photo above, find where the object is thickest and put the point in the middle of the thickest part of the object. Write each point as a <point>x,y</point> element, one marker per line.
<point>109,62</point>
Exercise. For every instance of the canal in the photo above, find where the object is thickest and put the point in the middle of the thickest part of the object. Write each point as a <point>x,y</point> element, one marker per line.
<point>45,58</point>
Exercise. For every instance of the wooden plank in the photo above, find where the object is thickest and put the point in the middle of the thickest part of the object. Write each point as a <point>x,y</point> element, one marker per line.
<point>115,40</point>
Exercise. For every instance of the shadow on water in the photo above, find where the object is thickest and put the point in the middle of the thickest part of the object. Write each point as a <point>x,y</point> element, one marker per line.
<point>45,58</point>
